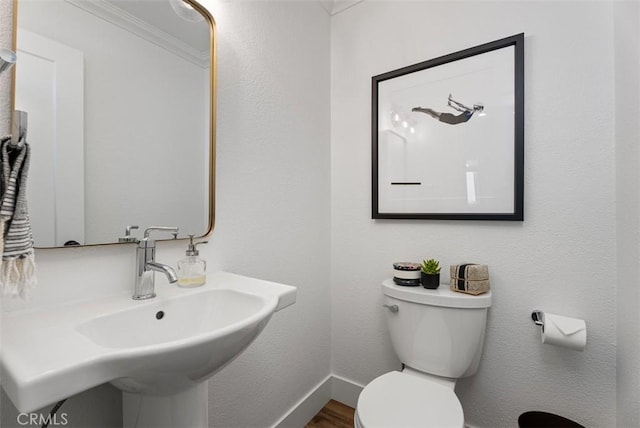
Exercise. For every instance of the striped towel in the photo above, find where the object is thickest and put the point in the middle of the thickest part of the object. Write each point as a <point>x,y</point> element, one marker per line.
<point>17,271</point>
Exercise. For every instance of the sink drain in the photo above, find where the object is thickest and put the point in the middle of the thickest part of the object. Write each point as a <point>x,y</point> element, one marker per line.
<point>159,315</point>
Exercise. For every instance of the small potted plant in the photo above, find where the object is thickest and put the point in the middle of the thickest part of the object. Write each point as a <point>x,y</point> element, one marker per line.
<point>430,274</point>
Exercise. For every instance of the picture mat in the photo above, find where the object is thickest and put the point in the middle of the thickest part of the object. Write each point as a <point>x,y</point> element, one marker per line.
<point>463,168</point>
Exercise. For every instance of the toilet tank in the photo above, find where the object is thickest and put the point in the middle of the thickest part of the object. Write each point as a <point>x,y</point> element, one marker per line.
<point>439,332</point>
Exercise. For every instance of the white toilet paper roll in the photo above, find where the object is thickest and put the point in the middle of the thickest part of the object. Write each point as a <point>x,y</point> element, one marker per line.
<point>564,331</point>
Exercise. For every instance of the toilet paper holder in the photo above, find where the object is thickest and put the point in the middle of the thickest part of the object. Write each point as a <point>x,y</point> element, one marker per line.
<point>538,318</point>
<point>560,330</point>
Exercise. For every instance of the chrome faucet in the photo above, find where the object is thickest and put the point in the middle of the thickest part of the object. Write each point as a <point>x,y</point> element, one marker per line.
<point>146,265</point>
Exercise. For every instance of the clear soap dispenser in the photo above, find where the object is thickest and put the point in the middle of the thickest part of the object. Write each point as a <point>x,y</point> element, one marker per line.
<point>192,270</point>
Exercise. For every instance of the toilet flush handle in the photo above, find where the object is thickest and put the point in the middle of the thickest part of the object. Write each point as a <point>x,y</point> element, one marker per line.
<point>392,308</point>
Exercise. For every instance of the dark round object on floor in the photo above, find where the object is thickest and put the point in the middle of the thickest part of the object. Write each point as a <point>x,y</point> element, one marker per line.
<point>545,420</point>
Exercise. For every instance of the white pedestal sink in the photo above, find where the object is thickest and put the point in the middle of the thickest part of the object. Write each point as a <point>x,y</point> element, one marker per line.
<point>159,351</point>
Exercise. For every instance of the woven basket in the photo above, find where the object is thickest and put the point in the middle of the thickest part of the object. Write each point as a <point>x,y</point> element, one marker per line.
<point>470,278</point>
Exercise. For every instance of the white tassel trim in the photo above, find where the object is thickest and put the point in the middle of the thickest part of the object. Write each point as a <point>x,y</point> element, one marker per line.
<point>18,275</point>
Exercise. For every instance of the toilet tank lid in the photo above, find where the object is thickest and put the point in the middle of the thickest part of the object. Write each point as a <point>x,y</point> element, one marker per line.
<point>442,296</point>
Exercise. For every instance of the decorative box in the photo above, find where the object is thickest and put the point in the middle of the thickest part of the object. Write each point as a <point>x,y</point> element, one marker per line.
<point>406,274</point>
<point>470,278</point>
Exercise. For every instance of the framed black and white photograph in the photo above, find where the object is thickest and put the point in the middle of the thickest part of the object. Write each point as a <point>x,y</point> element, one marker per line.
<point>448,136</point>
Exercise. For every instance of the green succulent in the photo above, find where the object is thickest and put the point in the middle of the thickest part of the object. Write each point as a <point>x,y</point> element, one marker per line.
<point>431,266</point>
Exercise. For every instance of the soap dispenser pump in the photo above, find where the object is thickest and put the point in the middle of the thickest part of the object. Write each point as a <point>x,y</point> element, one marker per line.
<point>192,270</point>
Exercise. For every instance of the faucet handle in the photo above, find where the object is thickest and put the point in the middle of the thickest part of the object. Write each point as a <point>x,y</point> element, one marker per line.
<point>127,235</point>
<point>172,229</point>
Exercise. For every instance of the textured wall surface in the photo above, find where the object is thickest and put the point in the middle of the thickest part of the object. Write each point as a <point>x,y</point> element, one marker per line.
<point>561,259</point>
<point>273,197</point>
<point>627,57</point>
<point>272,210</point>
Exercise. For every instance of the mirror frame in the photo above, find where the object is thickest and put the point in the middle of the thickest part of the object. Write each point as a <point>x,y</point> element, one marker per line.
<point>213,62</point>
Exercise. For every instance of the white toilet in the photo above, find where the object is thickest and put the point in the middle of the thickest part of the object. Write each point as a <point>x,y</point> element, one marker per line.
<point>438,336</point>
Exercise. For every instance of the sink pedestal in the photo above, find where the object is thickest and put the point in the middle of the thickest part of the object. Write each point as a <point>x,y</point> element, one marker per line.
<point>185,409</point>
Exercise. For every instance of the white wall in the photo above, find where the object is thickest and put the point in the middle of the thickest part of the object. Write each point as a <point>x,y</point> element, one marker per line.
<point>561,259</point>
<point>272,209</point>
<point>627,61</point>
<point>273,189</point>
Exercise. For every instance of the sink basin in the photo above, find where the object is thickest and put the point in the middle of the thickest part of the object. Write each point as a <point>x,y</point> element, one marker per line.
<point>194,316</point>
<point>162,347</point>
<point>173,344</point>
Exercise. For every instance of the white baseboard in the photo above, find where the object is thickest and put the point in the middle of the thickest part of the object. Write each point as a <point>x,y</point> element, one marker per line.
<point>333,387</point>
<point>305,409</point>
<point>345,391</point>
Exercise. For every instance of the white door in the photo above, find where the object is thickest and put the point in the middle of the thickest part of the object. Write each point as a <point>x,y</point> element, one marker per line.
<point>50,88</point>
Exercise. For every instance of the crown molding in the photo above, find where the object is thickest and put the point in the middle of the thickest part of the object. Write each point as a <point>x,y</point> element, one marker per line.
<point>334,7</point>
<point>110,13</point>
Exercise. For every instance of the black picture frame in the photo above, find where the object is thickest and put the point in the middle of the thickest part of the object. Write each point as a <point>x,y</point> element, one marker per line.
<point>448,139</point>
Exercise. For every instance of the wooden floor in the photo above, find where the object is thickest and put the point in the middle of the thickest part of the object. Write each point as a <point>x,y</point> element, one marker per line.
<point>333,415</point>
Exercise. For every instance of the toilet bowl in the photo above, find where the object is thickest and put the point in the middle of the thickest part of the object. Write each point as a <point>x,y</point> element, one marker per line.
<point>402,400</point>
<point>438,335</point>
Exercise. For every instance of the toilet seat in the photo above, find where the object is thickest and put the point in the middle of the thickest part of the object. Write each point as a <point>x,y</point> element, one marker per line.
<point>402,400</point>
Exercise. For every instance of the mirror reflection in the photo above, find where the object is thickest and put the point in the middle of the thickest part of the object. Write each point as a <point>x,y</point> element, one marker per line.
<point>118,96</point>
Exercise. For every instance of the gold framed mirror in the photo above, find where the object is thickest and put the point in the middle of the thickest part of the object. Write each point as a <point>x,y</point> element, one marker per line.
<point>120,97</point>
